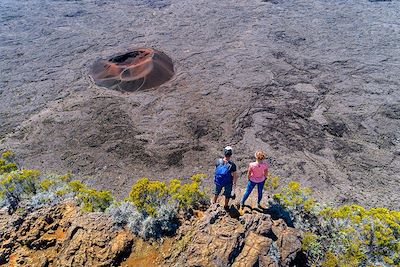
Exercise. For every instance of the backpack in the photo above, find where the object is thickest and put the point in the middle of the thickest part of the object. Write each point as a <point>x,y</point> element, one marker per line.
<point>223,174</point>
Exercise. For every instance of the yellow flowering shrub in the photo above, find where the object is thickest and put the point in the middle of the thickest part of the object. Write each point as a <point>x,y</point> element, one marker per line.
<point>7,154</point>
<point>91,199</point>
<point>330,260</point>
<point>271,183</point>
<point>174,186</point>
<point>147,195</point>
<point>16,185</point>
<point>348,235</point>
<point>6,163</point>
<point>190,194</point>
<point>46,183</point>
<point>293,195</point>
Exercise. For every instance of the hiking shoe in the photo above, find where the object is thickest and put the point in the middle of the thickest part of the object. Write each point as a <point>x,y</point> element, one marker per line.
<point>260,206</point>
<point>241,211</point>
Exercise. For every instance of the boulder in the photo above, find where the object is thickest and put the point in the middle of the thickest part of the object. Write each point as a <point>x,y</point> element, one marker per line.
<point>253,239</point>
<point>67,237</point>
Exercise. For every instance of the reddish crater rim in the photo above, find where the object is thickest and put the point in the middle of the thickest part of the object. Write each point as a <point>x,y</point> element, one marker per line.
<point>137,69</point>
<point>135,57</point>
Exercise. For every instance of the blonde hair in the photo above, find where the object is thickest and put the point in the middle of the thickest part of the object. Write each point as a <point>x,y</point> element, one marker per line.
<point>260,155</point>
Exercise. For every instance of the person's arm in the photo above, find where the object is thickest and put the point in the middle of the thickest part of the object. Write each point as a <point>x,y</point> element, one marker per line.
<point>266,172</point>
<point>235,178</point>
<point>249,172</point>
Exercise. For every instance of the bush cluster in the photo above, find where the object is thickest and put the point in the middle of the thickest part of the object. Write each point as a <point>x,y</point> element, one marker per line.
<point>6,163</point>
<point>91,199</point>
<point>271,183</point>
<point>348,235</point>
<point>152,208</point>
<point>148,195</point>
<point>17,185</point>
<point>35,189</point>
<point>165,222</point>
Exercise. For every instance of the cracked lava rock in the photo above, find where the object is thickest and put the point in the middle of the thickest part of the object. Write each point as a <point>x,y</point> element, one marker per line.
<point>139,69</point>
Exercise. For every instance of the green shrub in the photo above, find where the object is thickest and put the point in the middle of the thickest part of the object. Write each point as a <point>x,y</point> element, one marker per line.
<point>188,195</point>
<point>76,186</point>
<point>65,178</point>
<point>16,185</point>
<point>349,235</point>
<point>198,178</point>
<point>7,154</point>
<point>157,204</point>
<point>61,192</point>
<point>330,260</point>
<point>310,244</point>
<point>54,188</point>
<point>46,183</point>
<point>373,233</point>
<point>271,183</point>
<point>91,199</point>
<point>6,163</point>
<point>294,196</point>
<point>148,195</point>
<point>174,186</point>
<point>94,200</point>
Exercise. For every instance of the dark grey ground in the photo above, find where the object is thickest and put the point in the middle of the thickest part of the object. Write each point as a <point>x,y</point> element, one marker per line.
<point>314,83</point>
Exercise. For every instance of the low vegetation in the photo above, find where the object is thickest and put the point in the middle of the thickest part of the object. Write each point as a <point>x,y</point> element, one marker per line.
<point>147,195</point>
<point>34,189</point>
<point>153,207</point>
<point>151,210</point>
<point>348,235</point>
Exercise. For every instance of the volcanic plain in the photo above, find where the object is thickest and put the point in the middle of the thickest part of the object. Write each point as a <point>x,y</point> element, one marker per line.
<point>313,83</point>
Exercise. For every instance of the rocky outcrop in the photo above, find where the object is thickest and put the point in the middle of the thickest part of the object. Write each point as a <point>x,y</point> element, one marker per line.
<point>62,236</point>
<point>224,238</point>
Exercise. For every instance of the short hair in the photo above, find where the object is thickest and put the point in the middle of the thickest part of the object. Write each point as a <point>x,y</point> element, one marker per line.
<point>260,155</point>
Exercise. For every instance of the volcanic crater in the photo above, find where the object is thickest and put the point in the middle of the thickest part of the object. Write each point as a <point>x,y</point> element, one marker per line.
<point>139,69</point>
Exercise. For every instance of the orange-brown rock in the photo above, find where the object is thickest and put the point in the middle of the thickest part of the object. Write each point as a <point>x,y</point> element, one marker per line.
<point>254,239</point>
<point>254,251</point>
<point>62,236</point>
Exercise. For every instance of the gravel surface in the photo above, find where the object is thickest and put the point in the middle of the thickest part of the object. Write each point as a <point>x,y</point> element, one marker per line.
<point>313,83</point>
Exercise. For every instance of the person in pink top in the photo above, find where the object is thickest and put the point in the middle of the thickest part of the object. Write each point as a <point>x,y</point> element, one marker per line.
<point>257,174</point>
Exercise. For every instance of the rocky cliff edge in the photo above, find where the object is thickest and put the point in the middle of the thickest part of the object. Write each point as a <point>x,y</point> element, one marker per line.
<point>61,235</point>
